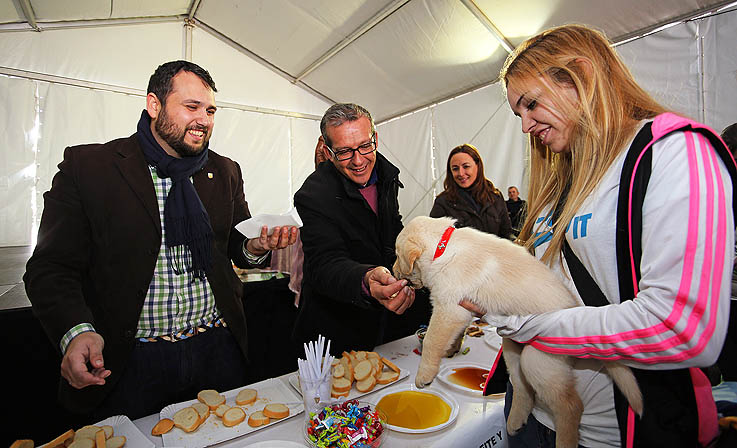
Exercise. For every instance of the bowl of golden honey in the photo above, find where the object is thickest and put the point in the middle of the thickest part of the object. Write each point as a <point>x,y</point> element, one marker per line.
<point>412,410</point>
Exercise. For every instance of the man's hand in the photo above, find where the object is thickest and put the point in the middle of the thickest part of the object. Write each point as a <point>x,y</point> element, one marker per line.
<point>280,238</point>
<point>393,294</point>
<point>84,348</point>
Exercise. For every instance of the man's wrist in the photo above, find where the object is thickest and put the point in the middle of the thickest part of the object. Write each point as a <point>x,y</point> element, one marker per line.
<point>251,257</point>
<point>72,333</point>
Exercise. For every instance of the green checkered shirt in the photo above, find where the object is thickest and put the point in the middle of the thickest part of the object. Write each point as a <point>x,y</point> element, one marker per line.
<point>174,302</point>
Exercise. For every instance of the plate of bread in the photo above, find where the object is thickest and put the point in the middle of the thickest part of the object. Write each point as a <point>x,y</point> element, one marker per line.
<point>113,432</point>
<point>214,417</point>
<point>356,374</point>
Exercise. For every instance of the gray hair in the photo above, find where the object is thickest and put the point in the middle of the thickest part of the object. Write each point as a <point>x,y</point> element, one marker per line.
<point>338,114</point>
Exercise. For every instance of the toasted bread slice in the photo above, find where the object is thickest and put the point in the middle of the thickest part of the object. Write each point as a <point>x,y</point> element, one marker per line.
<point>390,365</point>
<point>108,431</point>
<point>276,410</point>
<point>338,371</point>
<point>336,394</point>
<point>162,427</point>
<point>203,410</point>
<point>82,443</point>
<point>362,370</point>
<point>100,439</point>
<point>246,397</point>
<point>341,385</point>
<point>387,377</point>
<point>372,355</point>
<point>347,367</point>
<point>367,384</point>
<point>59,441</point>
<point>257,419</point>
<point>86,432</point>
<point>116,442</point>
<point>360,355</point>
<point>233,416</point>
<point>23,443</point>
<point>221,410</point>
<point>211,397</point>
<point>187,419</point>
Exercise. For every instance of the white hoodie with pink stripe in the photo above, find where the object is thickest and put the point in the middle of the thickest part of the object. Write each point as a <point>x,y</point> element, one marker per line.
<point>679,317</point>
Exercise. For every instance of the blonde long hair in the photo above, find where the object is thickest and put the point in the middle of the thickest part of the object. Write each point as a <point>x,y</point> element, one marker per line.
<point>608,111</point>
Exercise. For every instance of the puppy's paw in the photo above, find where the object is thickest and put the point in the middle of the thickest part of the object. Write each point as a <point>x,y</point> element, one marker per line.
<point>421,384</point>
<point>514,425</point>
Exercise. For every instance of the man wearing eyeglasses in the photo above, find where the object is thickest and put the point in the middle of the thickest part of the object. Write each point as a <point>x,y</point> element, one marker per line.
<point>351,218</point>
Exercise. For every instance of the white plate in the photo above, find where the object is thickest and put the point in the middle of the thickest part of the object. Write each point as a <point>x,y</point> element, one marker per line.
<point>448,370</point>
<point>276,444</point>
<point>445,397</point>
<point>123,426</point>
<point>354,393</point>
<point>492,339</point>
<point>213,431</point>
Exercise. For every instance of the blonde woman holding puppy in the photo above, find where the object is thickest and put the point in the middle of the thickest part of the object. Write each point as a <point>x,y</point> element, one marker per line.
<point>584,114</point>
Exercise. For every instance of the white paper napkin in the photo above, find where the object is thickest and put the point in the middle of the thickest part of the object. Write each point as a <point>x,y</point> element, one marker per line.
<point>251,227</point>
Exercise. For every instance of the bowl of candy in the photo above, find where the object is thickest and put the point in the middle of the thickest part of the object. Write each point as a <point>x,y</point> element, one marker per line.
<point>349,424</point>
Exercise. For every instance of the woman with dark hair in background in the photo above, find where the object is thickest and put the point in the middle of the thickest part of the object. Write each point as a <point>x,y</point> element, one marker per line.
<point>469,196</point>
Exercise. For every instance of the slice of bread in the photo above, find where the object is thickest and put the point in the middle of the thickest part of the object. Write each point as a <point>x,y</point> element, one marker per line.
<point>86,432</point>
<point>341,385</point>
<point>221,410</point>
<point>336,394</point>
<point>338,371</point>
<point>390,365</point>
<point>59,441</point>
<point>116,442</point>
<point>211,397</point>
<point>246,397</point>
<point>360,355</point>
<point>187,419</point>
<point>387,377</point>
<point>162,427</point>
<point>100,439</point>
<point>203,410</point>
<point>257,419</point>
<point>372,355</point>
<point>24,443</point>
<point>233,416</point>
<point>367,384</point>
<point>276,410</point>
<point>82,443</point>
<point>347,367</point>
<point>362,370</point>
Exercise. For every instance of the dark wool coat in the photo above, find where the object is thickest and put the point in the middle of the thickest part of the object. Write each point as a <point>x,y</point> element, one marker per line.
<point>99,241</point>
<point>343,239</point>
<point>493,217</point>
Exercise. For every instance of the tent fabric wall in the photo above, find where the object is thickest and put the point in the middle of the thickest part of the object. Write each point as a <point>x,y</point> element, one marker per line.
<point>17,164</point>
<point>124,57</point>
<point>690,67</point>
<point>669,64</point>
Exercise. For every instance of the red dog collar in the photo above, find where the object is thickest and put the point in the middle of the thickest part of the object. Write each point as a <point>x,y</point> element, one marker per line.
<point>443,242</point>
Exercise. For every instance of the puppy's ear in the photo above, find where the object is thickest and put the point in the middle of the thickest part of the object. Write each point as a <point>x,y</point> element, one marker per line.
<point>414,250</point>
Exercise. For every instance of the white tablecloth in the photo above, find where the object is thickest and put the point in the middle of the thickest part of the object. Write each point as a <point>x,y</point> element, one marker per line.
<point>480,421</point>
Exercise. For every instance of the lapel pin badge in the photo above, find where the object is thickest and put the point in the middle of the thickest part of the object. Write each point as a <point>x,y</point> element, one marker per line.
<point>209,175</point>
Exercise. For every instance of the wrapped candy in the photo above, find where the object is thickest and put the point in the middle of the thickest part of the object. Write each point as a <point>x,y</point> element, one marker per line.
<point>345,425</point>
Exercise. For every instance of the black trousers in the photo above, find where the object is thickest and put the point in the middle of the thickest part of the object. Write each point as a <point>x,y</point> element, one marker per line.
<point>163,373</point>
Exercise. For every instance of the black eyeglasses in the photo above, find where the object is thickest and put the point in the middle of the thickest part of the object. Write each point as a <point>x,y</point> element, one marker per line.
<point>343,154</point>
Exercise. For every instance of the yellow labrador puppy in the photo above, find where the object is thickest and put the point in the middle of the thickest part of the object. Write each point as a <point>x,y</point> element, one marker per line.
<point>502,278</point>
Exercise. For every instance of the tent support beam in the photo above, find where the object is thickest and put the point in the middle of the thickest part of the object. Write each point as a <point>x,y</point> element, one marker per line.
<point>28,12</point>
<point>45,26</point>
<point>261,60</point>
<point>193,9</point>
<point>484,19</point>
<point>56,79</point>
<point>370,23</point>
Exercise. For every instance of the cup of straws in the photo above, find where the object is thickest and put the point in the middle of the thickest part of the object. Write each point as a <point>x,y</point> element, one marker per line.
<point>315,375</point>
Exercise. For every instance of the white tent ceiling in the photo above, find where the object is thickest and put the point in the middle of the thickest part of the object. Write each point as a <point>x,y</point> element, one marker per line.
<point>392,56</point>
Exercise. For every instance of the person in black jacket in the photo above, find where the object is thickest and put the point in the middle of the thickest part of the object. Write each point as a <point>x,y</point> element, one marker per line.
<point>350,212</point>
<point>469,196</point>
<point>517,209</point>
